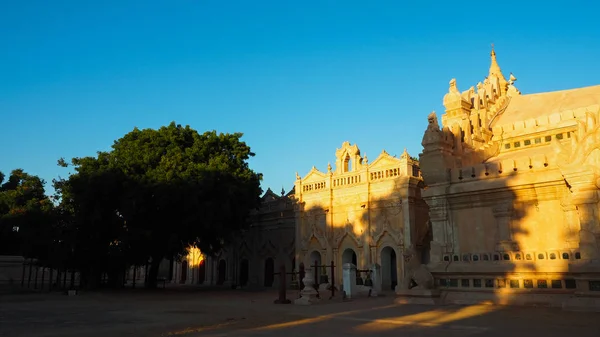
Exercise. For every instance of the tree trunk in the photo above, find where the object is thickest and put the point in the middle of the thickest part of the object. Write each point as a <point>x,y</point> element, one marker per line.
<point>152,274</point>
<point>91,278</point>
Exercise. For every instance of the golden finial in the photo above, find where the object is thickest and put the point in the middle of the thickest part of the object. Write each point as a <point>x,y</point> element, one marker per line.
<point>494,67</point>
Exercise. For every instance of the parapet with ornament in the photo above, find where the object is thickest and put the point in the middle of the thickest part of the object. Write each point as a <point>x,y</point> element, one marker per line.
<point>502,168</point>
<point>353,169</point>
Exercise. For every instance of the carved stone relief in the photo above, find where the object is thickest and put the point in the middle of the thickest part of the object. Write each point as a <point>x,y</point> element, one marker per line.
<point>388,219</point>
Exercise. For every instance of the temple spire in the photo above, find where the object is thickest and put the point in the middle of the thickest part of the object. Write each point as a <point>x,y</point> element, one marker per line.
<point>494,67</point>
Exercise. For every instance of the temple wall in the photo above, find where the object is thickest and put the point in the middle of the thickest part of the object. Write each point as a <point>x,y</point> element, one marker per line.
<point>476,229</point>
<point>512,184</point>
<point>374,212</point>
<point>253,257</point>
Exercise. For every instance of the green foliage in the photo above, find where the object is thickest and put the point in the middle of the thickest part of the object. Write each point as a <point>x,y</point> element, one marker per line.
<point>26,215</point>
<point>156,192</point>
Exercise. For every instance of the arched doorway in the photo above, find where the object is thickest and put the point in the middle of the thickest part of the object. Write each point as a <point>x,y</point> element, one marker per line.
<point>201,272</point>
<point>222,272</point>
<point>184,269</point>
<point>389,268</point>
<point>315,256</point>
<point>244,272</point>
<point>269,272</point>
<point>349,256</point>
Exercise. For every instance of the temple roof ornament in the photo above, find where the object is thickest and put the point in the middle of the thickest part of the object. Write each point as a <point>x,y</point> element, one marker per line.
<point>453,97</point>
<point>495,68</point>
<point>404,154</point>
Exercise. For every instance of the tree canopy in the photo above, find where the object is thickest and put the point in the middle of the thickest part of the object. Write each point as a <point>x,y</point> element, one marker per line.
<point>155,193</point>
<point>25,215</point>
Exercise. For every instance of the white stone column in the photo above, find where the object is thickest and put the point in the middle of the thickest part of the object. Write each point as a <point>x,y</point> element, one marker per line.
<point>376,277</point>
<point>308,295</point>
<point>349,280</point>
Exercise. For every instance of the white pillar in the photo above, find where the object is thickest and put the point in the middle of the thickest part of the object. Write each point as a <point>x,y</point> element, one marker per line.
<point>376,277</point>
<point>308,295</point>
<point>349,280</point>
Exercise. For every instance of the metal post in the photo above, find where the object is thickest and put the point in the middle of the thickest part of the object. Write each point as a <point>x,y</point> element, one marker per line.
<point>50,277</point>
<point>282,295</point>
<point>301,274</point>
<point>37,270</point>
<point>316,266</point>
<point>23,273</point>
<point>58,278</point>
<point>43,276</point>
<point>332,279</point>
<point>134,276</point>
<point>29,277</point>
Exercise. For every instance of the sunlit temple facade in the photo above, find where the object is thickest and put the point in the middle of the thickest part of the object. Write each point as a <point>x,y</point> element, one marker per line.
<point>361,213</point>
<point>501,205</point>
<point>512,185</point>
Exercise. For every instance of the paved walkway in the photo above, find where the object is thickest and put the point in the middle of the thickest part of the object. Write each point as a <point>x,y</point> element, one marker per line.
<point>196,312</point>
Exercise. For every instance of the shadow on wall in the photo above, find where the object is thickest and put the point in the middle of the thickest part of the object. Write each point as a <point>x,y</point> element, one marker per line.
<point>504,227</point>
<point>364,217</point>
<point>507,225</point>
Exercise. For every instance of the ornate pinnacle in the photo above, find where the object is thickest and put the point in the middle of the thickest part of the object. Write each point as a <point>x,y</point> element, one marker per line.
<point>494,67</point>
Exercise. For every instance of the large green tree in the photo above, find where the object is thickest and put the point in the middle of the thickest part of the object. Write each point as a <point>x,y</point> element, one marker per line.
<point>26,216</point>
<point>157,191</point>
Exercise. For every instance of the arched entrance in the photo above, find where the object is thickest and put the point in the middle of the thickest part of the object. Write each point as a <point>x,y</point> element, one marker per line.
<point>269,272</point>
<point>244,272</point>
<point>349,256</point>
<point>201,272</point>
<point>389,268</point>
<point>222,272</point>
<point>184,269</point>
<point>315,256</point>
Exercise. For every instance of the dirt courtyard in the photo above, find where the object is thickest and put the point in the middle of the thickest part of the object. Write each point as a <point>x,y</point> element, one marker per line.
<point>190,312</point>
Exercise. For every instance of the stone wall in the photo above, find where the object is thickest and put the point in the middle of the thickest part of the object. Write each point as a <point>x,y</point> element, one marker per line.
<point>255,254</point>
<point>361,213</point>
<point>514,207</point>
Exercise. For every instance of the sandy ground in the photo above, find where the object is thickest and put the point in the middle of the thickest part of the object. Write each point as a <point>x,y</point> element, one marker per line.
<point>194,312</point>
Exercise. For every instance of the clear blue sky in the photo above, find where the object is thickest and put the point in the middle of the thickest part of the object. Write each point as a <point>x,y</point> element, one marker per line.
<point>296,77</point>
